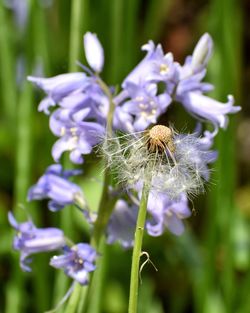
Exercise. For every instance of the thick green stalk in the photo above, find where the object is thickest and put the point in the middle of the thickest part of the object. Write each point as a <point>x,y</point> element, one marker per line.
<point>23,139</point>
<point>7,64</point>
<point>106,204</point>
<point>134,279</point>
<point>221,198</point>
<point>105,207</point>
<point>79,25</point>
<point>74,299</point>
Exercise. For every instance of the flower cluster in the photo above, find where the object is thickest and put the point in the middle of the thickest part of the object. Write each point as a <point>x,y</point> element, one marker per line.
<point>84,112</point>
<point>77,260</point>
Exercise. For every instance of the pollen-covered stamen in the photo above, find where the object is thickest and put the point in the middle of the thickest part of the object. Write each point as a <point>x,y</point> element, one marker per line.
<point>160,139</point>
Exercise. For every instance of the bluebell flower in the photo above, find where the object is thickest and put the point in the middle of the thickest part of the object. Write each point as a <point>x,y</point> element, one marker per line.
<point>76,261</point>
<point>92,98</point>
<point>121,226</point>
<point>144,104</point>
<point>93,51</point>
<point>58,87</point>
<point>20,9</point>
<point>155,67</point>
<point>190,88</point>
<point>166,214</point>
<point>30,240</point>
<point>193,150</point>
<point>76,135</point>
<point>54,185</point>
<point>123,120</point>
<point>207,109</point>
<point>80,120</point>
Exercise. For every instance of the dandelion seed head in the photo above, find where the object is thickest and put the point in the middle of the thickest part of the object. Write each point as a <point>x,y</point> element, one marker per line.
<point>166,161</point>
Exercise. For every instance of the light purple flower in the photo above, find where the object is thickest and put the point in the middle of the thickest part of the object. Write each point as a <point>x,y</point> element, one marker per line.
<point>166,214</point>
<point>208,109</point>
<point>93,52</point>
<point>144,104</point>
<point>123,120</point>
<point>190,88</point>
<point>54,185</point>
<point>121,226</point>
<point>77,136</point>
<point>58,87</point>
<point>77,262</point>
<point>30,240</point>
<point>20,9</point>
<point>92,99</point>
<point>193,151</point>
<point>154,67</point>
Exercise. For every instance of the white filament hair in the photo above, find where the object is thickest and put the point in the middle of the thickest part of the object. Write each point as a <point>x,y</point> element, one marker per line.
<point>172,173</point>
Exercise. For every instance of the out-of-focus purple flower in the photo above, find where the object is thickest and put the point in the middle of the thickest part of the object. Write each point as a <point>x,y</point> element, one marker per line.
<point>190,88</point>
<point>54,185</point>
<point>123,120</point>
<point>81,117</point>
<point>194,152</point>
<point>93,51</point>
<point>208,109</point>
<point>166,214</point>
<point>121,226</point>
<point>76,135</point>
<point>76,261</point>
<point>30,240</point>
<point>20,9</point>
<point>154,67</point>
<point>144,104</point>
<point>191,83</point>
<point>58,87</point>
<point>91,100</point>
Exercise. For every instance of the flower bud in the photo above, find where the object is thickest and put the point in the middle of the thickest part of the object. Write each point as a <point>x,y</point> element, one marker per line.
<point>202,52</point>
<point>93,51</point>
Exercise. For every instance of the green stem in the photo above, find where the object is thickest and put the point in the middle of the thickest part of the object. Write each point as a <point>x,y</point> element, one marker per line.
<point>106,204</point>
<point>7,76</point>
<point>134,279</point>
<point>104,211</point>
<point>74,299</point>
<point>79,25</point>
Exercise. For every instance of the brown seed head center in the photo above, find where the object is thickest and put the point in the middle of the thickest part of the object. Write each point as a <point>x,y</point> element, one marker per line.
<point>160,138</point>
<point>161,133</point>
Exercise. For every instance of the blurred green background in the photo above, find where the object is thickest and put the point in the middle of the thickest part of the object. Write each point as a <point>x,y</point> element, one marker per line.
<point>206,270</point>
